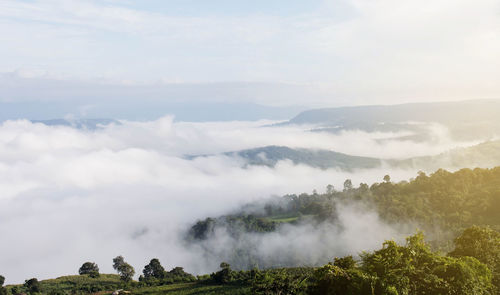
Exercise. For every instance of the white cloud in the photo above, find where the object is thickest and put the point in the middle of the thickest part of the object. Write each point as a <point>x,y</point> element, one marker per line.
<point>72,195</point>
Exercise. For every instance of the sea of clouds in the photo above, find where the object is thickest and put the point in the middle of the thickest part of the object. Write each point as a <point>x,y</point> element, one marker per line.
<point>70,195</point>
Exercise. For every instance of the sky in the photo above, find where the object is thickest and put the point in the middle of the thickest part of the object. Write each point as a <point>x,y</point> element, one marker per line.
<point>274,53</point>
<point>158,66</point>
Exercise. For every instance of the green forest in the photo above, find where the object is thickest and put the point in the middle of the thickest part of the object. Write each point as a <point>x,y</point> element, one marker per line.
<point>464,204</point>
<point>451,201</point>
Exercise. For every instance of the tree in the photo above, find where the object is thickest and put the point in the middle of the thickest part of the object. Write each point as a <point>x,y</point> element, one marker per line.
<point>32,285</point>
<point>346,262</point>
<point>125,270</point>
<point>415,269</point>
<point>483,244</point>
<point>334,280</point>
<point>330,189</point>
<point>89,268</point>
<point>3,291</point>
<point>118,261</point>
<point>224,275</point>
<point>348,185</point>
<point>154,270</point>
<point>387,178</point>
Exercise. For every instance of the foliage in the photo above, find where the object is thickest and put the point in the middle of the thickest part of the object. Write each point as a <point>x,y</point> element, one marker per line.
<point>194,289</point>
<point>332,279</point>
<point>89,268</point>
<point>155,275</point>
<point>394,269</point>
<point>235,225</point>
<point>223,276</point>
<point>481,243</point>
<point>79,284</point>
<point>346,262</point>
<point>409,269</point>
<point>445,200</point>
<point>3,290</point>
<point>125,270</point>
<point>154,270</point>
<point>415,269</point>
<point>291,281</point>
<point>32,285</point>
<point>177,274</point>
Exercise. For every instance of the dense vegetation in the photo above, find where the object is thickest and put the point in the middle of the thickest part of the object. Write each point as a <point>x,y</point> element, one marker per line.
<point>473,267</point>
<point>445,200</point>
<point>465,203</point>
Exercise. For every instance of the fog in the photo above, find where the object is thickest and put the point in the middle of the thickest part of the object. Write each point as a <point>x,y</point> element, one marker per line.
<point>356,228</point>
<point>69,196</point>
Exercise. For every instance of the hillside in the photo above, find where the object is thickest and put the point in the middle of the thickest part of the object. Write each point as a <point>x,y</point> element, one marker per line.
<point>323,159</point>
<point>442,203</point>
<point>466,120</point>
<point>463,204</point>
<point>406,268</point>
<point>484,155</point>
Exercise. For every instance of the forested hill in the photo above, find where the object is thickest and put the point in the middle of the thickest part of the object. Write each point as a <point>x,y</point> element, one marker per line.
<point>444,204</point>
<point>483,155</point>
<point>445,200</point>
<point>456,202</point>
<point>324,159</point>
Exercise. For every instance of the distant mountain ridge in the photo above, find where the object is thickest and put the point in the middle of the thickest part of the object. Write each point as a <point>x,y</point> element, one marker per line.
<point>324,159</point>
<point>89,124</point>
<point>465,119</point>
<point>483,155</point>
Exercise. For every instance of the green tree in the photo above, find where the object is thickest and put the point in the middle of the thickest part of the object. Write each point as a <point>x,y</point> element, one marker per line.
<point>154,270</point>
<point>32,285</point>
<point>330,189</point>
<point>125,270</point>
<point>348,185</point>
<point>3,290</point>
<point>15,290</point>
<point>334,280</point>
<point>225,275</point>
<point>89,268</point>
<point>279,282</point>
<point>346,262</point>
<point>415,269</point>
<point>387,178</point>
<point>482,243</point>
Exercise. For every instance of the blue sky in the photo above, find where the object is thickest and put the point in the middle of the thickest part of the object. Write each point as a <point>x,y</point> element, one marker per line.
<point>225,7</point>
<point>332,52</point>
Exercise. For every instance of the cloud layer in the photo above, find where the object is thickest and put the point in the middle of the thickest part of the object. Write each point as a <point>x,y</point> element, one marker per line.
<point>72,195</point>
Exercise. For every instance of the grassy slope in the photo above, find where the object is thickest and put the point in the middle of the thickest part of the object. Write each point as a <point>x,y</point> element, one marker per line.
<point>112,282</point>
<point>193,289</point>
<point>78,282</point>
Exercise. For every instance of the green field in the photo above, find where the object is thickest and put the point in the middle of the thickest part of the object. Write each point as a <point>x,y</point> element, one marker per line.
<point>107,283</point>
<point>289,218</point>
<point>76,284</point>
<point>193,289</point>
<point>284,218</point>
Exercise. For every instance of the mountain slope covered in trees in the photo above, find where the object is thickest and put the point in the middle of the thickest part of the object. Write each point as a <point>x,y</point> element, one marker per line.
<point>443,204</point>
<point>484,155</point>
